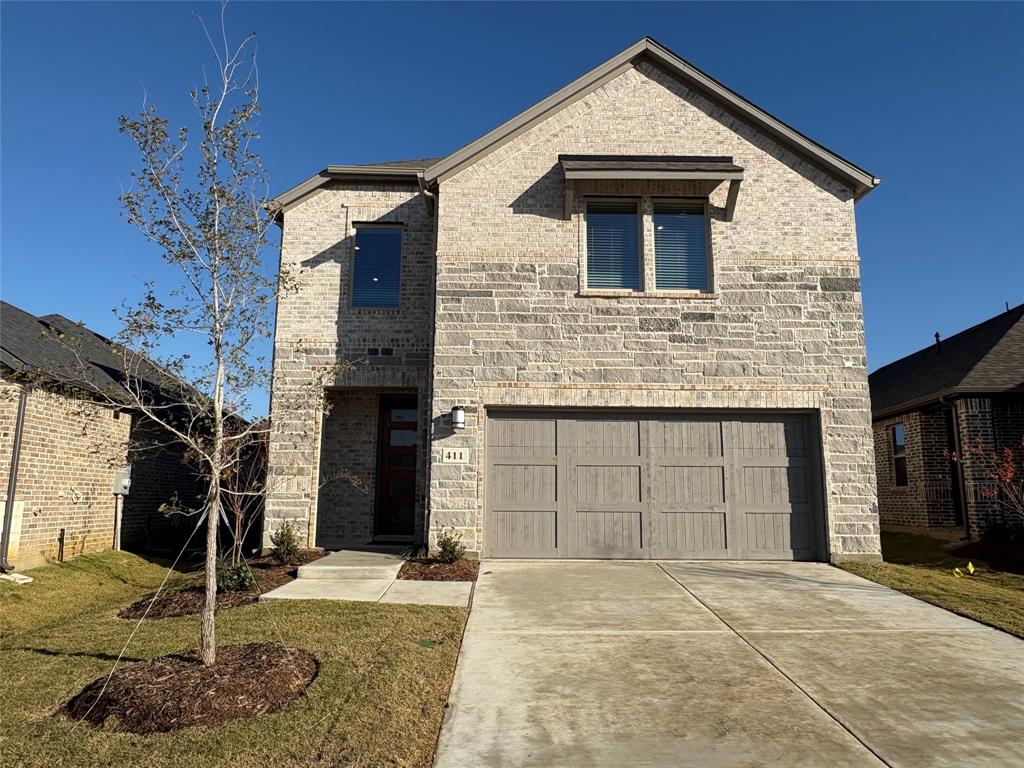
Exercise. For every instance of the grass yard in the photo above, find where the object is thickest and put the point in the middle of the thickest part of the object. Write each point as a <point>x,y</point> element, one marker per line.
<point>384,675</point>
<point>923,567</point>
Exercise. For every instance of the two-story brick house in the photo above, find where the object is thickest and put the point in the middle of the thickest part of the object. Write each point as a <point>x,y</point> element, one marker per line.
<point>626,323</point>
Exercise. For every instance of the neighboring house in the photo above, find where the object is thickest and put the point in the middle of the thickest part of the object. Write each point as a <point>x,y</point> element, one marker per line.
<point>939,415</point>
<point>642,298</point>
<point>71,446</point>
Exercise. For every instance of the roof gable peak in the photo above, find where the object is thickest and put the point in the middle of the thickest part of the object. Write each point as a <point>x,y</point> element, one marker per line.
<point>859,180</point>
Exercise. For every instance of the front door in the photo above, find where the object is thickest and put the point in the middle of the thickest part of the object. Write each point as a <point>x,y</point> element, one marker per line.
<point>396,466</point>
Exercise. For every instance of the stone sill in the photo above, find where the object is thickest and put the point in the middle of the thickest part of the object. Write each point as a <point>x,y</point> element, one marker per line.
<point>600,294</point>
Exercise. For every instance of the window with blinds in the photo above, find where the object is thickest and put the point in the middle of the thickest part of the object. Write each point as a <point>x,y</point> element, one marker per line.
<point>613,244</point>
<point>377,268</point>
<point>680,245</point>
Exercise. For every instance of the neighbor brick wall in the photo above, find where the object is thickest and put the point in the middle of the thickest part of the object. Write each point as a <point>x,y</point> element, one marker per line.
<point>69,451</point>
<point>318,329</point>
<point>784,328</point>
<point>926,501</point>
<point>159,472</point>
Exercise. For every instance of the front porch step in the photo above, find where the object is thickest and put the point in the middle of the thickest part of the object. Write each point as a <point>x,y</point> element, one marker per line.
<point>353,564</point>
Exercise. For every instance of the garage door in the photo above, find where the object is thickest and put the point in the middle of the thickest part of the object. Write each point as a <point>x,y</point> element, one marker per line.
<point>685,485</point>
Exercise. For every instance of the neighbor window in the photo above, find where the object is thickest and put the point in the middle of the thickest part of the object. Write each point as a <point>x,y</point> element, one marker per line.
<point>377,268</point>
<point>899,454</point>
<point>613,244</point>
<point>680,245</point>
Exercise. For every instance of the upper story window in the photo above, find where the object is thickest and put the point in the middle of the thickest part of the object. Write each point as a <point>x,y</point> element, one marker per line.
<point>613,244</point>
<point>680,245</point>
<point>377,267</point>
<point>899,454</point>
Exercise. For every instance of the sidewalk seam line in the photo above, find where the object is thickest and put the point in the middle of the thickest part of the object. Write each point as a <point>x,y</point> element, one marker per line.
<point>779,669</point>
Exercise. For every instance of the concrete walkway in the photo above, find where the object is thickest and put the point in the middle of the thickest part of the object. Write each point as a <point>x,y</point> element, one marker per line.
<point>724,664</point>
<point>367,577</point>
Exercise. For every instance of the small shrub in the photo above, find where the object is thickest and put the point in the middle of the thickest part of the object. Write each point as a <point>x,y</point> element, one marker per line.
<point>449,546</point>
<point>234,578</point>
<point>286,544</point>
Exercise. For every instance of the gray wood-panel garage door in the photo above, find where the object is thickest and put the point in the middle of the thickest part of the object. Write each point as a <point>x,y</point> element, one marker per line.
<point>685,485</point>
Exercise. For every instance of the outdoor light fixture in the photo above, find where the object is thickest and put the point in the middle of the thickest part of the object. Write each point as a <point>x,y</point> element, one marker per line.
<point>458,417</point>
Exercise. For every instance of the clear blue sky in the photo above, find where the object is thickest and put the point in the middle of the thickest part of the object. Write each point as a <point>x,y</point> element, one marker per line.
<point>930,97</point>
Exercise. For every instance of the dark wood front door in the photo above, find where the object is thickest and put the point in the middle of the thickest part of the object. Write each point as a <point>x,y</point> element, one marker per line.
<point>396,466</point>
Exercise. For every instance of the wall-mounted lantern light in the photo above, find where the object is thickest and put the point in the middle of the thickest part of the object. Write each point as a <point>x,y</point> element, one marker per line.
<point>458,417</point>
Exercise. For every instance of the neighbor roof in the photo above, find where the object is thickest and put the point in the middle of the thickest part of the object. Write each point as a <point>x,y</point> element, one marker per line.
<point>54,348</point>
<point>430,171</point>
<point>987,358</point>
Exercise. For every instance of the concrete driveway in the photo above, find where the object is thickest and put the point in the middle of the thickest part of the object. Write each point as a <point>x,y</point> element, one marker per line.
<point>584,663</point>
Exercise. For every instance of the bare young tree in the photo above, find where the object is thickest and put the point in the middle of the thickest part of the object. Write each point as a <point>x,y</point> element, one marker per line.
<point>200,195</point>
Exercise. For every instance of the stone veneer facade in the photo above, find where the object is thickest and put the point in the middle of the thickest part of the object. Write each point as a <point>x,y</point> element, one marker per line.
<point>783,328</point>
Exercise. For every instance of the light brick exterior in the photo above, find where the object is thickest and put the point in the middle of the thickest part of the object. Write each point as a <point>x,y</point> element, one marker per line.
<point>70,450</point>
<point>782,330</point>
<point>316,329</point>
<point>65,474</point>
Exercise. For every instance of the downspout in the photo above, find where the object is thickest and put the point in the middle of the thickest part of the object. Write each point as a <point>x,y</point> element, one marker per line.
<point>431,199</point>
<point>12,482</point>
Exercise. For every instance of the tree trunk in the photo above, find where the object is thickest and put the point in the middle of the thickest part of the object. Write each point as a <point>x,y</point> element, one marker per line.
<point>208,642</point>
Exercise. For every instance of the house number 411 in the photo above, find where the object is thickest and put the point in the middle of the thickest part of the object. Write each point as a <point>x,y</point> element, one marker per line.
<point>455,456</point>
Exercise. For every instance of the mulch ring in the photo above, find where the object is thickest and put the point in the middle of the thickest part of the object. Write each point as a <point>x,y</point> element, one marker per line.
<point>429,569</point>
<point>188,600</point>
<point>177,691</point>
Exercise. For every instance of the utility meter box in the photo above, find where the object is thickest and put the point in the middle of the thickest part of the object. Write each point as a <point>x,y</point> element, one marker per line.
<point>123,481</point>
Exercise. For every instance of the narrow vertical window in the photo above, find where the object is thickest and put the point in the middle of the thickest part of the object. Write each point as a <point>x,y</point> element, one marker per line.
<point>899,454</point>
<point>377,268</point>
<point>680,245</point>
<point>613,245</point>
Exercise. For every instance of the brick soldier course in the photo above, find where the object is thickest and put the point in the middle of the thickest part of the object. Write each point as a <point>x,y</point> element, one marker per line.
<point>495,311</point>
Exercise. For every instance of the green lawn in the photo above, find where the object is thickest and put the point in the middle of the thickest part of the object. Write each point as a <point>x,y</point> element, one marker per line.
<point>923,567</point>
<point>378,700</point>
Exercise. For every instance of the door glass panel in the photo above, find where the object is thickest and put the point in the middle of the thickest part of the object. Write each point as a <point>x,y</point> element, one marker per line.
<point>401,486</point>
<point>402,460</point>
<point>403,414</point>
<point>402,437</point>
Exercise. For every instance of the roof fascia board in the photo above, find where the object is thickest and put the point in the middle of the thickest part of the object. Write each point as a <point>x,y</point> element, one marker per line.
<point>653,174</point>
<point>934,397</point>
<point>861,180</point>
<point>353,173</point>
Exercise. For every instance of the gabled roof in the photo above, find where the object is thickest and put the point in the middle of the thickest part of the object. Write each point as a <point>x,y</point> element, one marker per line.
<point>408,171</point>
<point>430,171</point>
<point>56,349</point>
<point>860,181</point>
<point>986,358</point>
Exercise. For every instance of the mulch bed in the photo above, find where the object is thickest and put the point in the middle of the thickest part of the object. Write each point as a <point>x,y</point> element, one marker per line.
<point>429,569</point>
<point>177,691</point>
<point>188,601</point>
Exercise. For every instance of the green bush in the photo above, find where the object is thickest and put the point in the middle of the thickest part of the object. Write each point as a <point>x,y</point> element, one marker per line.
<point>449,546</point>
<point>286,544</point>
<point>234,578</point>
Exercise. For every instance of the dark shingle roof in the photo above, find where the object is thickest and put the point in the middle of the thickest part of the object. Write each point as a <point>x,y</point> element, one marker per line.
<point>988,357</point>
<point>57,349</point>
<point>412,165</point>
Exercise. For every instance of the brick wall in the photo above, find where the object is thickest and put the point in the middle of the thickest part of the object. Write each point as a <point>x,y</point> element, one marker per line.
<point>69,452</point>
<point>926,501</point>
<point>317,329</point>
<point>784,328</point>
<point>159,471</point>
